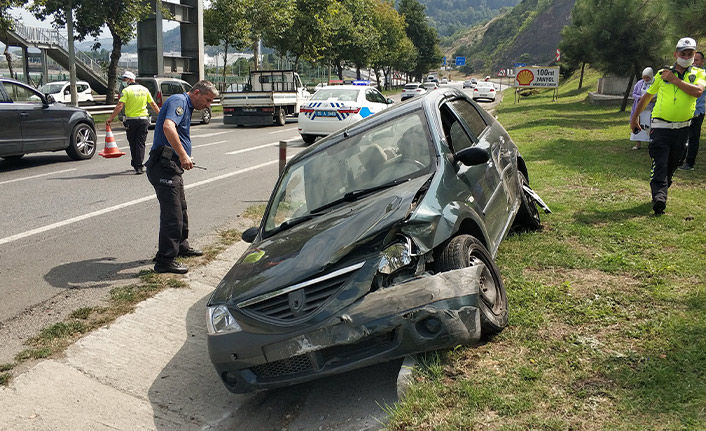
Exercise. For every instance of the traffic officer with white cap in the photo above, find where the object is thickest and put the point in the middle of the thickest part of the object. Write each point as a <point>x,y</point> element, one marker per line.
<point>677,88</point>
<point>135,98</point>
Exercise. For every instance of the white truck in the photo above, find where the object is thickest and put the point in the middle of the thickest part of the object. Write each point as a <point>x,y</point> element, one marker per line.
<point>267,98</point>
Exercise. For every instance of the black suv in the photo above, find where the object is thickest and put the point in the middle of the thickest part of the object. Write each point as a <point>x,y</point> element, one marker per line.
<point>31,122</point>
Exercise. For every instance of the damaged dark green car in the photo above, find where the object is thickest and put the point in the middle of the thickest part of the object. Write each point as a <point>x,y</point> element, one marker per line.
<point>377,242</point>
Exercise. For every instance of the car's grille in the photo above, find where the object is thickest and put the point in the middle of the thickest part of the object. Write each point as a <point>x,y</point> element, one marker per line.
<point>293,365</point>
<point>300,300</point>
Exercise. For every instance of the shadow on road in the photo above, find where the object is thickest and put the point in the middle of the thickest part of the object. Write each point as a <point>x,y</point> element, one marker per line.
<point>188,391</point>
<point>92,273</point>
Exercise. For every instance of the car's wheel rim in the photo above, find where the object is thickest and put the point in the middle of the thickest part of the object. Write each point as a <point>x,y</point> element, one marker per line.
<point>85,141</point>
<point>488,289</point>
<point>206,115</point>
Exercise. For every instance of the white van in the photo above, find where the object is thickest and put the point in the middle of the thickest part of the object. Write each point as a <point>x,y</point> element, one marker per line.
<point>61,91</point>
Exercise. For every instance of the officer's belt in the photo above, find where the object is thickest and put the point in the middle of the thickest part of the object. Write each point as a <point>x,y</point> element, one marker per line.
<point>137,118</point>
<point>658,123</point>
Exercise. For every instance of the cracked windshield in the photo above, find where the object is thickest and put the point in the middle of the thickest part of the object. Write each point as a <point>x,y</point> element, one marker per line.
<point>373,159</point>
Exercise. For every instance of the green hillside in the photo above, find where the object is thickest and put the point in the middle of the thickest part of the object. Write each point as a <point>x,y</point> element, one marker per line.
<point>452,16</point>
<point>529,33</point>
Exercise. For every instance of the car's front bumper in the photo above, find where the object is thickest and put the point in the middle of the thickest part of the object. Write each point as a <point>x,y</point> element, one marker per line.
<point>423,314</point>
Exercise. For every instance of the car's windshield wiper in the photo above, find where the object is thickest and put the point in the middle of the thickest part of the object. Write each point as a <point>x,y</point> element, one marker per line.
<point>357,194</point>
<point>289,223</point>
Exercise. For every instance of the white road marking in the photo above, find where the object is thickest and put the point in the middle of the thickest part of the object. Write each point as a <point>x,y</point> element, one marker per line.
<point>272,144</point>
<point>77,219</point>
<point>207,135</point>
<point>207,145</point>
<point>282,131</point>
<point>37,176</point>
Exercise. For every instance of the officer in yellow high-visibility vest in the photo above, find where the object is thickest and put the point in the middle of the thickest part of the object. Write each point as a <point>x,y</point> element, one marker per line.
<point>677,89</point>
<point>135,98</point>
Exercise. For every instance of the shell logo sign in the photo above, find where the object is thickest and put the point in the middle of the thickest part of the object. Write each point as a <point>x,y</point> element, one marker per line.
<point>535,76</point>
<point>524,77</point>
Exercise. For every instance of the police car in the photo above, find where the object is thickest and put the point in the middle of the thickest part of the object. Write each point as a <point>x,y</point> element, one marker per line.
<point>337,106</point>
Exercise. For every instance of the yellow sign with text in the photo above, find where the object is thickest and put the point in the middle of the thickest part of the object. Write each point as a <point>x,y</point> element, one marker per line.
<point>534,76</point>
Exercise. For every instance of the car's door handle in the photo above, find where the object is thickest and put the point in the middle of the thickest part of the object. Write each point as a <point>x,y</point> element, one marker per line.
<point>24,114</point>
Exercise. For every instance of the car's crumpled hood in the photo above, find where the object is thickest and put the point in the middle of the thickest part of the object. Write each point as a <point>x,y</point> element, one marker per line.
<point>307,249</point>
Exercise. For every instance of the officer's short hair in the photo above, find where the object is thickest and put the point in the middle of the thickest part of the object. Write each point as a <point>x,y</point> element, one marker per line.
<point>205,86</point>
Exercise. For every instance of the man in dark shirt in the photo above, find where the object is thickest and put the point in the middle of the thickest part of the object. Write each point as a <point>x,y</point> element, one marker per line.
<point>169,157</point>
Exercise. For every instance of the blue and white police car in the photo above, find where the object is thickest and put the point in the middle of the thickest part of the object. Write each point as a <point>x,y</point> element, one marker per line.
<point>337,106</point>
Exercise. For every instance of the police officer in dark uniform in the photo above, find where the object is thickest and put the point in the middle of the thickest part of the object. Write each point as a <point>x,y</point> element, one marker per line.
<point>169,157</point>
<point>677,88</point>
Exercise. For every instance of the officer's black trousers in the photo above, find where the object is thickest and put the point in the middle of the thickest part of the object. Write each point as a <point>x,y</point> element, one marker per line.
<point>165,177</point>
<point>666,148</point>
<point>694,136</point>
<point>136,131</point>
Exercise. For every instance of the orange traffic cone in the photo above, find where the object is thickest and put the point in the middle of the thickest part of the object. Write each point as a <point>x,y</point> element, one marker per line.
<point>111,150</point>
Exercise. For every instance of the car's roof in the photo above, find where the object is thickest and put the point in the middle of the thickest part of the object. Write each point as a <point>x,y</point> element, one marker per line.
<point>160,78</point>
<point>346,87</point>
<point>66,82</point>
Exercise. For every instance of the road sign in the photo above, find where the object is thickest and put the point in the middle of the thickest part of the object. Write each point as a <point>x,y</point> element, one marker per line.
<point>520,64</point>
<point>460,61</point>
<point>443,61</point>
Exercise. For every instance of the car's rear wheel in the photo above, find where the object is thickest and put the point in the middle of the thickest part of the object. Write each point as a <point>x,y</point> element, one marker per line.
<point>281,117</point>
<point>527,217</point>
<point>206,116</point>
<point>83,142</point>
<point>463,251</point>
<point>309,139</point>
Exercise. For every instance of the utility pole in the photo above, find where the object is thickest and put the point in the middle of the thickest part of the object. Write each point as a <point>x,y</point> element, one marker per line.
<point>72,53</point>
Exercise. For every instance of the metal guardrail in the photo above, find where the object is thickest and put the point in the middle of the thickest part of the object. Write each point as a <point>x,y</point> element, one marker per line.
<point>107,109</point>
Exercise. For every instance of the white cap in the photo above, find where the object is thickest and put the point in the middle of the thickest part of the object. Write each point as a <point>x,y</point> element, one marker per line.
<point>686,43</point>
<point>128,75</point>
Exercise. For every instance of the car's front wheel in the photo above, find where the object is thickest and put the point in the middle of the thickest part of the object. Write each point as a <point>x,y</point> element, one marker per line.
<point>83,142</point>
<point>282,117</point>
<point>309,139</point>
<point>206,116</point>
<point>463,251</point>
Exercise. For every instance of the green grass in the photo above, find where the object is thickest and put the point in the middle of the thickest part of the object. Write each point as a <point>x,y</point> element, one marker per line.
<point>607,302</point>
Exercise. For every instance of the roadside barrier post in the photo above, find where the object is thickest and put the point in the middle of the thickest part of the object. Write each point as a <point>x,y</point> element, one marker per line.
<point>282,155</point>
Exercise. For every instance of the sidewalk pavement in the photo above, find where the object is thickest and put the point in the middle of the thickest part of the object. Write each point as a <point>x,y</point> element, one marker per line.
<point>135,374</point>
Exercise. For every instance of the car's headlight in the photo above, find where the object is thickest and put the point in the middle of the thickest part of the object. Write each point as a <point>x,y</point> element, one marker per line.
<point>221,321</point>
<point>395,257</point>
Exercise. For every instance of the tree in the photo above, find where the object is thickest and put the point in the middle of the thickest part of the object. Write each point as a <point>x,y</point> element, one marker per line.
<point>685,17</point>
<point>612,46</point>
<point>6,23</point>
<point>224,21</point>
<point>120,16</point>
<point>395,49</point>
<point>422,35</point>
<point>309,34</point>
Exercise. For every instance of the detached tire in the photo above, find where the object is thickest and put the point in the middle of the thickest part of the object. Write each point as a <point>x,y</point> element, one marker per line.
<point>83,142</point>
<point>463,251</point>
<point>527,217</point>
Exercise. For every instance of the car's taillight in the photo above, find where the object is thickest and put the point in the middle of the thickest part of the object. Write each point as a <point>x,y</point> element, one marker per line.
<point>492,89</point>
<point>305,110</point>
<point>475,89</point>
<point>158,99</point>
<point>348,110</point>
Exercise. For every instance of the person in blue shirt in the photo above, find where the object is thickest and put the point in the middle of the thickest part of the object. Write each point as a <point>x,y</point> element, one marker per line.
<point>692,149</point>
<point>170,156</point>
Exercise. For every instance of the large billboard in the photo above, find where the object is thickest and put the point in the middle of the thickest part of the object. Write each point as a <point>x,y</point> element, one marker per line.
<point>535,76</point>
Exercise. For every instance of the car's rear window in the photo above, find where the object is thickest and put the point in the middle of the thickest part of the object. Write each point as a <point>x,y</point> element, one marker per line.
<point>411,86</point>
<point>337,94</point>
<point>148,84</point>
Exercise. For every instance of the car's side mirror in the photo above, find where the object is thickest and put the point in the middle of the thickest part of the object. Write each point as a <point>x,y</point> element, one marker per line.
<point>250,234</point>
<point>50,99</point>
<point>67,92</point>
<point>472,156</point>
<point>390,101</point>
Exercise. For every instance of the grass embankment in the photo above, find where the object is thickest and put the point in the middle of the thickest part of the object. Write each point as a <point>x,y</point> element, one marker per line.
<point>607,303</point>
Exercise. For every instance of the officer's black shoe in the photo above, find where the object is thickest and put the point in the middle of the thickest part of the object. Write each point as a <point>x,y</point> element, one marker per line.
<point>189,252</point>
<point>659,207</point>
<point>686,167</point>
<point>139,170</point>
<point>173,267</point>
